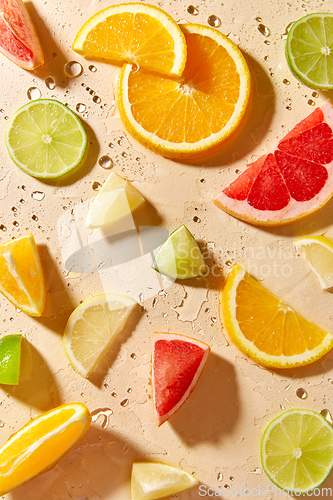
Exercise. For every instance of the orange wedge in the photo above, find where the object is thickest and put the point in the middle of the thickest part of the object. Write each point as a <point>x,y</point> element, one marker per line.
<point>137,33</point>
<point>186,117</point>
<point>266,329</point>
<point>21,275</point>
<point>40,444</point>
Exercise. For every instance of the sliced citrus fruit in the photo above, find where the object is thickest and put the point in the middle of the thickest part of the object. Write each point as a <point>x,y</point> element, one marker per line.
<point>116,199</point>
<point>41,443</point>
<point>297,451</point>
<point>180,257</point>
<point>45,139</point>
<point>177,364</point>
<point>266,329</point>
<point>195,114</point>
<point>318,252</point>
<point>151,480</point>
<point>10,359</point>
<point>92,327</point>
<point>309,50</point>
<point>294,180</point>
<point>137,33</point>
<point>18,38</point>
<point>21,275</point>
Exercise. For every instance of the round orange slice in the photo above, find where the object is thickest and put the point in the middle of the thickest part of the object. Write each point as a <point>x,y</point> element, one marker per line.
<point>190,116</point>
<point>266,329</point>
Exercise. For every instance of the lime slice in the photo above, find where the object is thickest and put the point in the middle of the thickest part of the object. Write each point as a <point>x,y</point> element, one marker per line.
<point>309,50</point>
<point>318,253</point>
<point>10,357</point>
<point>150,481</point>
<point>116,199</point>
<point>180,256</point>
<point>297,451</point>
<point>45,139</point>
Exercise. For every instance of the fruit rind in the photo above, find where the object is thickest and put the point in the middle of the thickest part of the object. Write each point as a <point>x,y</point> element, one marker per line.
<point>320,240</point>
<point>9,365</point>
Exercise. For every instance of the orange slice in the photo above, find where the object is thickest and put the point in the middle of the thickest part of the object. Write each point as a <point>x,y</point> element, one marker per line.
<point>136,33</point>
<point>21,275</point>
<point>266,329</point>
<point>178,362</point>
<point>195,114</point>
<point>40,444</point>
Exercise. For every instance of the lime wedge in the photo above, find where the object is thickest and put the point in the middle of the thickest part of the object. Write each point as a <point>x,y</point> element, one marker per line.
<point>309,50</point>
<point>116,199</point>
<point>10,357</point>
<point>318,253</point>
<point>297,451</point>
<point>45,139</point>
<point>180,257</point>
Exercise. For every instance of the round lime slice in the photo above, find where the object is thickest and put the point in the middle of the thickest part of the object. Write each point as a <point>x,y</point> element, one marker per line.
<point>297,451</point>
<point>45,139</point>
<point>309,50</point>
<point>180,257</point>
<point>10,357</point>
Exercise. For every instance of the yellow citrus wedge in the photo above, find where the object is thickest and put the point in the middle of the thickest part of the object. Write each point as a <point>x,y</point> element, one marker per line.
<point>318,253</point>
<point>40,444</point>
<point>116,199</point>
<point>21,275</point>
<point>186,117</point>
<point>266,329</point>
<point>138,33</point>
<point>92,327</point>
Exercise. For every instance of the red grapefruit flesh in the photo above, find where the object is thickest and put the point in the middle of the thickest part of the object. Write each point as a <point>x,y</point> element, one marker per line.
<point>291,181</point>
<point>178,362</point>
<point>18,38</point>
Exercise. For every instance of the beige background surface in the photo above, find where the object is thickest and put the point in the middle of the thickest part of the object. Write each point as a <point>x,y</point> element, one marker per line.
<point>216,435</point>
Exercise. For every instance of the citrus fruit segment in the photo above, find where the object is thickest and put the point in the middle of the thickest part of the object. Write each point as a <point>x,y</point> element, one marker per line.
<point>116,199</point>
<point>41,443</point>
<point>45,139</point>
<point>140,34</point>
<point>10,358</point>
<point>18,38</point>
<point>309,50</point>
<point>297,451</point>
<point>267,330</point>
<point>21,275</point>
<point>180,257</point>
<point>177,364</point>
<point>92,327</point>
<point>294,180</point>
<point>318,253</point>
<point>150,480</point>
<point>195,114</point>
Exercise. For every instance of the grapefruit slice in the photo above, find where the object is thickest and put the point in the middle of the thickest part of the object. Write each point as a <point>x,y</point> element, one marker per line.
<point>292,181</point>
<point>178,362</point>
<point>18,38</point>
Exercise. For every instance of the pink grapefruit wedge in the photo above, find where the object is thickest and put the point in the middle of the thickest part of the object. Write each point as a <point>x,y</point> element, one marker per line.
<point>178,362</point>
<point>290,182</point>
<point>18,38</point>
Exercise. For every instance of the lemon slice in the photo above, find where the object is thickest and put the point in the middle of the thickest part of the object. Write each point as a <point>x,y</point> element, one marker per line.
<point>297,451</point>
<point>92,327</point>
<point>318,253</point>
<point>116,199</point>
<point>150,481</point>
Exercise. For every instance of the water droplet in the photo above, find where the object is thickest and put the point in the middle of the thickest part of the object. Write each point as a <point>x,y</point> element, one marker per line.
<point>266,58</point>
<point>228,263</point>
<point>264,30</point>
<point>129,390</point>
<point>285,34</point>
<point>124,402</point>
<point>192,10</point>
<point>237,171</point>
<point>50,83</point>
<point>105,413</point>
<point>1,423</point>
<point>311,102</point>
<point>256,471</point>
<point>106,385</point>
<point>113,394</point>
<point>219,476</point>
<point>123,154</point>
<point>196,219</point>
<point>105,162</point>
<point>259,19</point>
<point>288,108</point>
<point>287,387</point>
<point>202,180</point>
<point>38,195</point>
<point>72,69</point>
<point>15,223</point>
<point>74,272</point>
<point>96,185</point>
<point>214,21</point>
<point>80,107</point>
<point>285,81</point>
<point>133,355</point>
<point>231,478</point>
<point>3,227</point>
<point>315,94</point>
<point>213,319</point>
<point>34,217</point>
<point>301,393</point>
<point>267,42</point>
<point>33,93</point>
<point>97,99</point>
<point>326,414</point>
<point>92,68</point>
